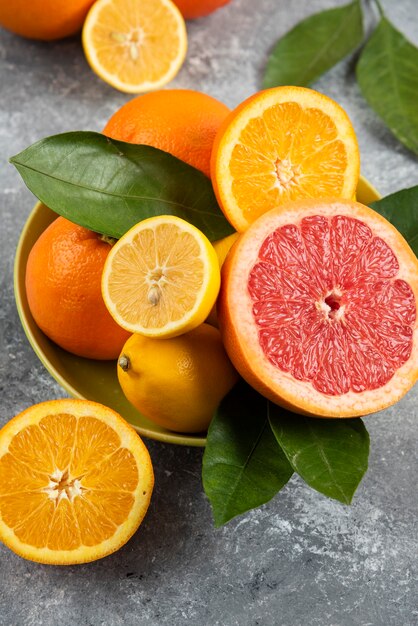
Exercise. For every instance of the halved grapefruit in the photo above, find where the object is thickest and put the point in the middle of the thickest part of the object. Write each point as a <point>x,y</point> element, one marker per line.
<point>318,308</point>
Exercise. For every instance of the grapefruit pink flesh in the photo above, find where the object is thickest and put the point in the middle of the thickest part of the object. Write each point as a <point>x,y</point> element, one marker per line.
<point>318,309</point>
<point>342,325</point>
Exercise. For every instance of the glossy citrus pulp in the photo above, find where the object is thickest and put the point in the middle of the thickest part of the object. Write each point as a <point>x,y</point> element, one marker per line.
<point>183,122</point>
<point>63,287</point>
<point>135,46</point>
<point>161,278</point>
<point>75,482</point>
<point>283,144</point>
<point>318,308</point>
<point>179,382</point>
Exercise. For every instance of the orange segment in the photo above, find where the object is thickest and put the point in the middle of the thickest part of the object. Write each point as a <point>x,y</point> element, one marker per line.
<point>20,448</point>
<point>75,482</point>
<point>94,526</point>
<point>33,532</point>
<point>64,533</point>
<point>16,508</point>
<point>18,477</point>
<point>59,433</point>
<point>117,473</point>
<point>135,46</point>
<point>110,505</point>
<point>95,441</point>
<point>281,145</point>
<point>161,278</point>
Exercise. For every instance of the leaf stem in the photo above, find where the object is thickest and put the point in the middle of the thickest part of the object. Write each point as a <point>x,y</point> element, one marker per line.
<point>379,8</point>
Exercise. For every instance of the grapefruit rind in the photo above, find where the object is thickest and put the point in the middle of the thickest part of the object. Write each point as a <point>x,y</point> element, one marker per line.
<point>254,107</point>
<point>129,439</point>
<point>240,333</point>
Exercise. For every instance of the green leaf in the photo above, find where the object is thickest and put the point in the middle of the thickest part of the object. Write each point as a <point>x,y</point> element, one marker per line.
<point>388,77</point>
<point>331,455</point>
<point>401,209</point>
<point>243,465</point>
<point>109,186</point>
<point>314,46</point>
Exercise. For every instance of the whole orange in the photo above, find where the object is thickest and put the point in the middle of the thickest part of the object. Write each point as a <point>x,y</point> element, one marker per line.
<point>63,287</point>
<point>197,8</point>
<point>44,19</point>
<point>180,121</point>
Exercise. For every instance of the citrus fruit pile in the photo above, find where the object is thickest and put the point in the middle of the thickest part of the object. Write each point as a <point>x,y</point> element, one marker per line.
<point>317,304</point>
<point>315,297</point>
<point>133,46</point>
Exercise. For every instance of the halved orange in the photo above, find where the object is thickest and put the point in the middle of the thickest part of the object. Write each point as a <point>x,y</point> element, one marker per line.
<point>279,145</point>
<point>161,278</point>
<point>135,46</point>
<point>75,482</point>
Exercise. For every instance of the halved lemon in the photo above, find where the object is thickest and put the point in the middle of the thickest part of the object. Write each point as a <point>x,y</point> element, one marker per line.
<point>283,144</point>
<point>161,278</point>
<point>135,46</point>
<point>75,482</point>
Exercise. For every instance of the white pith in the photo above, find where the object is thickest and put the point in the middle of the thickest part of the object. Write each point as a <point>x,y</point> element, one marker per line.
<point>327,310</point>
<point>62,486</point>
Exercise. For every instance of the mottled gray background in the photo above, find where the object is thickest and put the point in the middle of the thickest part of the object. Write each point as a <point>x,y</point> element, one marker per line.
<point>299,560</point>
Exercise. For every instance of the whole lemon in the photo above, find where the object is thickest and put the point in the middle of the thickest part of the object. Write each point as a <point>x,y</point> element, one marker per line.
<point>222,247</point>
<point>179,382</point>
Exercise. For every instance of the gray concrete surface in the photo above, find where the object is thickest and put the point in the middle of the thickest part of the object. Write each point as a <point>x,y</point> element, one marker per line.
<point>299,560</point>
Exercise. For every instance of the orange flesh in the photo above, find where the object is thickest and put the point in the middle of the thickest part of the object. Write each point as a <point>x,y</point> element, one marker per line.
<point>329,307</point>
<point>302,157</point>
<point>128,40</point>
<point>75,491</point>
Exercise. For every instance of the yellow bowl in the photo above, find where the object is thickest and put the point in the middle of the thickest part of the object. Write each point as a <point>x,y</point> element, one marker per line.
<point>85,378</point>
